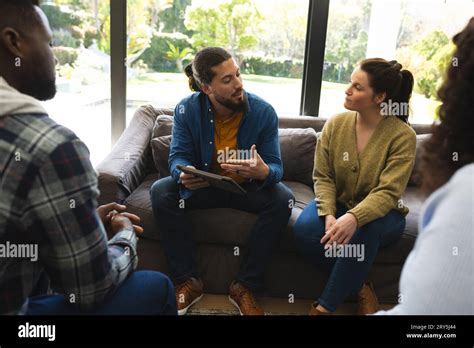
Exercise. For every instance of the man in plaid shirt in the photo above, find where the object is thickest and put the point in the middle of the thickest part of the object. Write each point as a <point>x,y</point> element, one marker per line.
<point>48,191</point>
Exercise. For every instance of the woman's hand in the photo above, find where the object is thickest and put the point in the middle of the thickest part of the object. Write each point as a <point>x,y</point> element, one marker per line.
<point>330,220</point>
<point>341,231</point>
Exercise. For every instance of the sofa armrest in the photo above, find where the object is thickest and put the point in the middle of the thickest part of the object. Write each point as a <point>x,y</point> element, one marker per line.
<point>123,170</point>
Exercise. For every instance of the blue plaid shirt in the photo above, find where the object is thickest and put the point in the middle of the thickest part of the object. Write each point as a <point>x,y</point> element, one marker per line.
<point>48,192</point>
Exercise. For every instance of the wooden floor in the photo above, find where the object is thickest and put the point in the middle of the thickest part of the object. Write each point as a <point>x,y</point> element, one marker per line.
<point>220,305</point>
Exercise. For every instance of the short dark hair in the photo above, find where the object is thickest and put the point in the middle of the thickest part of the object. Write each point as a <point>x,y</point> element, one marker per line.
<point>389,77</point>
<point>199,71</point>
<point>19,14</point>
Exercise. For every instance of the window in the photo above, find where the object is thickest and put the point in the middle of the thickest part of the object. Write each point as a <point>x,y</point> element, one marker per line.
<point>417,33</point>
<point>81,40</point>
<point>267,39</point>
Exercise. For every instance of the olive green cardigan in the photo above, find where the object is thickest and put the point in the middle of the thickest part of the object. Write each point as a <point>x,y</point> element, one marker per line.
<point>368,184</point>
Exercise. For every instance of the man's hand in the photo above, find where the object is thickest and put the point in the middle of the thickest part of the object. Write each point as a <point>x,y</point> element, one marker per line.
<point>108,211</point>
<point>192,182</point>
<point>341,231</point>
<point>254,168</point>
<point>104,211</point>
<point>119,222</point>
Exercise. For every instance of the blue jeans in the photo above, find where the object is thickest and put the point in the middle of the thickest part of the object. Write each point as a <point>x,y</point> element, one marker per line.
<point>346,274</point>
<point>271,204</point>
<point>142,293</point>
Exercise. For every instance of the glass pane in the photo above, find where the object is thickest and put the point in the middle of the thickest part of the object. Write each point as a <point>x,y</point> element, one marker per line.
<point>417,33</point>
<point>266,37</point>
<point>81,38</point>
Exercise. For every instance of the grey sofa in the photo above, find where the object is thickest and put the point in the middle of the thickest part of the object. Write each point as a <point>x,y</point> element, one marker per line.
<point>128,172</point>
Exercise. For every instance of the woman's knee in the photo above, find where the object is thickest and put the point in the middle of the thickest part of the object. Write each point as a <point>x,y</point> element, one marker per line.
<point>308,229</point>
<point>385,230</point>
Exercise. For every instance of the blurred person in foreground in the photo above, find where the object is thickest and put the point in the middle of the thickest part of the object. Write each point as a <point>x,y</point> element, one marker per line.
<point>438,275</point>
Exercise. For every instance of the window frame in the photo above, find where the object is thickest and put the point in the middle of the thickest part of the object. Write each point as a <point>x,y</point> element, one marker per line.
<point>318,14</point>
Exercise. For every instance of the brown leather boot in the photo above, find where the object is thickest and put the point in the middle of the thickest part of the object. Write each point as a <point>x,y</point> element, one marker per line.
<point>314,311</point>
<point>188,293</point>
<point>367,300</point>
<point>242,298</point>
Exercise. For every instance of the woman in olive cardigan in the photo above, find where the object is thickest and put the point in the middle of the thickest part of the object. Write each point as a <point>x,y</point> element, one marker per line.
<point>363,161</point>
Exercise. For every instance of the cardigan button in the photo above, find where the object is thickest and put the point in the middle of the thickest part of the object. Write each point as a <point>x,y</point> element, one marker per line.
<point>354,169</point>
<point>351,203</point>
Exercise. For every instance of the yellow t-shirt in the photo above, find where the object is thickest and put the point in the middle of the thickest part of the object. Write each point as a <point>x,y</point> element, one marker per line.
<point>225,141</point>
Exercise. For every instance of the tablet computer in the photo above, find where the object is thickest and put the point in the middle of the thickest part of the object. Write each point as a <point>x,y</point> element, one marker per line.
<point>219,181</point>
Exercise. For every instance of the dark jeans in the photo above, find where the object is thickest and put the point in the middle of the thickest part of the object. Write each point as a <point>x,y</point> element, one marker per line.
<point>142,293</point>
<point>272,205</point>
<point>346,274</point>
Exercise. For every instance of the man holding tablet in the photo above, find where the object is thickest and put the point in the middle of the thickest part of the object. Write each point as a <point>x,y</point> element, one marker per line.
<point>223,130</point>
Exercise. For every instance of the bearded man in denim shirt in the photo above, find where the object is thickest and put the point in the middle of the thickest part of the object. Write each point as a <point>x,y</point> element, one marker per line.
<point>210,127</point>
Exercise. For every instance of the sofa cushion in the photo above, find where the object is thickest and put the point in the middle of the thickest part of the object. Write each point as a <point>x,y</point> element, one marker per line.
<point>207,224</point>
<point>297,154</point>
<point>287,273</point>
<point>163,126</point>
<point>415,176</point>
<point>414,201</point>
<point>160,148</point>
<point>297,150</point>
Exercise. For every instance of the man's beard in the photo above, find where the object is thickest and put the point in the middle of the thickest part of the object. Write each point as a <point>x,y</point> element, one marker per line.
<point>40,81</point>
<point>231,105</point>
<point>41,88</point>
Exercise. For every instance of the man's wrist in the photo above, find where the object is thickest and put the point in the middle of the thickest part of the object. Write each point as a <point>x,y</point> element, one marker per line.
<point>125,236</point>
<point>266,173</point>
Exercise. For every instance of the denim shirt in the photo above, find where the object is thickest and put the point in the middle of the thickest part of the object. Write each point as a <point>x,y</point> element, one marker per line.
<point>192,141</point>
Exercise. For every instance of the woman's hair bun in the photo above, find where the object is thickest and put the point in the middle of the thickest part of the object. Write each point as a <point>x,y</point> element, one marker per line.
<point>396,65</point>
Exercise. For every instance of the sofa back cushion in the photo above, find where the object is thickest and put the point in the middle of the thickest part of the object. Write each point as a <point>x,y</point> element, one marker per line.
<point>163,126</point>
<point>415,177</point>
<point>297,154</point>
<point>160,148</point>
<point>297,150</point>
